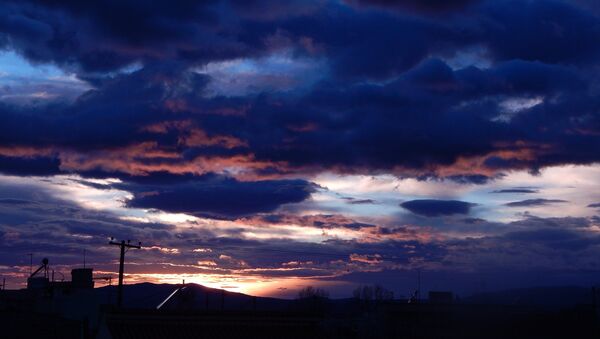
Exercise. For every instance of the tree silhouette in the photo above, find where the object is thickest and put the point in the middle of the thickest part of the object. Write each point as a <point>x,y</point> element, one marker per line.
<point>312,299</point>
<point>374,292</point>
<point>312,292</point>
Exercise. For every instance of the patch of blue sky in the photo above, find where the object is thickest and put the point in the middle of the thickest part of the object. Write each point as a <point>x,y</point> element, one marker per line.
<point>22,82</point>
<point>475,56</point>
<point>12,64</point>
<point>276,72</point>
<point>373,205</point>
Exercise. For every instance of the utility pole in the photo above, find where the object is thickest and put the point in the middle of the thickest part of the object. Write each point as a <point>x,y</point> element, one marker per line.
<point>125,246</point>
<point>418,285</point>
<point>594,298</point>
<point>222,300</point>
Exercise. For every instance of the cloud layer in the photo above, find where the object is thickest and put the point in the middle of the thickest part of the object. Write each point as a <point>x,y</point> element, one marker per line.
<point>510,107</point>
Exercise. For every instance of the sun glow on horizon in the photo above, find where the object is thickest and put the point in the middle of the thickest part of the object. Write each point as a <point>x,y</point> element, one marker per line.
<point>283,287</point>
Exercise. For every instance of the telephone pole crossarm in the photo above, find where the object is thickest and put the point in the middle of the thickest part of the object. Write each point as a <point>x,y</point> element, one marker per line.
<point>122,245</point>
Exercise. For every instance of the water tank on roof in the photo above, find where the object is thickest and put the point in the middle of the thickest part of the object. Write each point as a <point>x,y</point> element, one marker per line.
<point>82,278</point>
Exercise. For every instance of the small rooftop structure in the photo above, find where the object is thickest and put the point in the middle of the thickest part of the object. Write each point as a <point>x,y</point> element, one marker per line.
<point>82,278</point>
<point>36,282</point>
<point>441,297</point>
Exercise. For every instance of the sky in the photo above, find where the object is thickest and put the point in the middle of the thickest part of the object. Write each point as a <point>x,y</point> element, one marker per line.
<point>262,146</point>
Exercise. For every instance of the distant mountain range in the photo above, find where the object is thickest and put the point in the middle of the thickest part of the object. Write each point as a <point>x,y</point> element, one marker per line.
<point>198,297</point>
<point>188,297</point>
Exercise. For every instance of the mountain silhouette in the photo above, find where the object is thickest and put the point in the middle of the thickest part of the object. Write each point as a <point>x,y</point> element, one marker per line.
<point>554,297</point>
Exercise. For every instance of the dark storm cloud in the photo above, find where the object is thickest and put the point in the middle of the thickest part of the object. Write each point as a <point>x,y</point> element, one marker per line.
<point>534,202</point>
<point>390,98</point>
<point>465,179</point>
<point>29,166</point>
<point>473,221</point>
<point>99,36</point>
<point>437,208</point>
<point>102,36</point>
<point>120,111</point>
<point>547,31</point>
<point>112,115</point>
<point>476,179</point>
<point>516,190</point>
<point>424,6</point>
<point>215,196</point>
<point>410,117</point>
<point>361,201</point>
<point>324,221</point>
<point>595,205</point>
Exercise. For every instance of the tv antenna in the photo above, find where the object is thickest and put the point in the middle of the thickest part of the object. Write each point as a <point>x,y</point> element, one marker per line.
<point>125,246</point>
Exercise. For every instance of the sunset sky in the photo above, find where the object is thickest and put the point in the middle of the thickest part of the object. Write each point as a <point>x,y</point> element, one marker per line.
<point>264,146</point>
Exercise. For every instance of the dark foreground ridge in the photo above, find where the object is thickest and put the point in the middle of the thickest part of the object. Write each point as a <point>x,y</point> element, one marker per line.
<point>195,311</point>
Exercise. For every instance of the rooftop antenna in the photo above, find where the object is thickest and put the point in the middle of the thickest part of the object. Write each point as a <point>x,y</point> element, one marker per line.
<point>416,295</point>
<point>43,267</point>
<point>124,246</point>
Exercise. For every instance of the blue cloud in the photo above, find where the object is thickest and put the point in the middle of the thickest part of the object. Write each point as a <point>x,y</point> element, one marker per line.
<point>213,195</point>
<point>534,202</point>
<point>437,208</point>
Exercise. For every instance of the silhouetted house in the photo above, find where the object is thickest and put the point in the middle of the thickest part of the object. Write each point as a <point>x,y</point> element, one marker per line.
<point>151,324</point>
<point>50,309</point>
<point>440,297</point>
<point>38,283</point>
<point>15,324</point>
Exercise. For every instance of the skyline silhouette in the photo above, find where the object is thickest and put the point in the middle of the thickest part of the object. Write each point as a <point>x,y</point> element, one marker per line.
<point>263,147</point>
